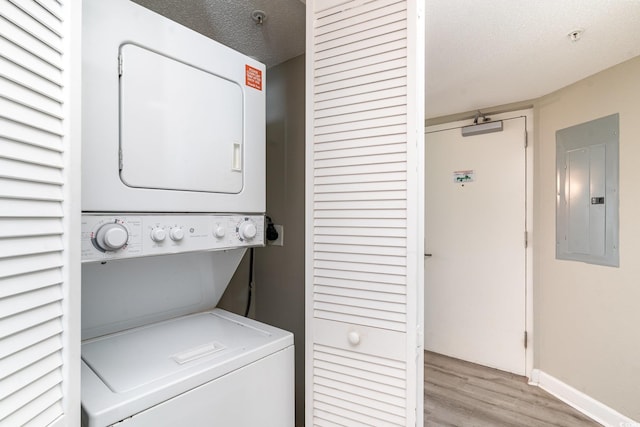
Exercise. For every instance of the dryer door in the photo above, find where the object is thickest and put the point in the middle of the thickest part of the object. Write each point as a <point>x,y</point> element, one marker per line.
<point>181,127</point>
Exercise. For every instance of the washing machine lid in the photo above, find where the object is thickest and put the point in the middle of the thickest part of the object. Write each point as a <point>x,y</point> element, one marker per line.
<point>162,353</point>
<point>131,371</point>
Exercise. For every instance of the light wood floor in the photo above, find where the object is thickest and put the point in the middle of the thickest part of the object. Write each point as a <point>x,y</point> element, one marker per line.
<point>464,394</point>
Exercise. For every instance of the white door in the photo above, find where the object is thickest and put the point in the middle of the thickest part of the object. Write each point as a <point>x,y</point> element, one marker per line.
<point>364,222</point>
<point>39,213</point>
<point>475,256</point>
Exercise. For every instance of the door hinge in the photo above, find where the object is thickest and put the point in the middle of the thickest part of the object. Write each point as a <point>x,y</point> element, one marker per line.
<point>120,65</point>
<point>526,239</point>
<point>526,139</point>
<point>526,339</point>
<point>120,159</point>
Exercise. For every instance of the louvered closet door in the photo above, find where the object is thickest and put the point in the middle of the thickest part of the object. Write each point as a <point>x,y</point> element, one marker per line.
<point>364,278</point>
<point>38,374</point>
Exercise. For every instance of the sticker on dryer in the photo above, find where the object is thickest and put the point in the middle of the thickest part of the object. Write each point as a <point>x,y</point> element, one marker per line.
<point>253,77</point>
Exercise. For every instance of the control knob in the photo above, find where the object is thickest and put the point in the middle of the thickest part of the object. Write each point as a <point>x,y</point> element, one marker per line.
<point>247,230</point>
<point>111,237</point>
<point>176,234</point>
<point>219,231</point>
<point>158,234</point>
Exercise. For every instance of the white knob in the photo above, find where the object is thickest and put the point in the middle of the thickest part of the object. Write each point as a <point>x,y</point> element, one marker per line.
<point>158,234</point>
<point>247,230</point>
<point>354,338</point>
<point>219,232</point>
<point>176,234</point>
<point>112,237</point>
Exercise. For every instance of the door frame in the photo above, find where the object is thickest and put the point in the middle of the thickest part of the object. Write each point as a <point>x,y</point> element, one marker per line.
<point>529,163</point>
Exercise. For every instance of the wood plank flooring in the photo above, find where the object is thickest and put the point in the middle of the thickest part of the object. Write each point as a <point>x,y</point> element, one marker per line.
<point>464,394</point>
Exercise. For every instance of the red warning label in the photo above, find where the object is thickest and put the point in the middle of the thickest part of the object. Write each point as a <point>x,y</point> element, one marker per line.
<point>253,77</point>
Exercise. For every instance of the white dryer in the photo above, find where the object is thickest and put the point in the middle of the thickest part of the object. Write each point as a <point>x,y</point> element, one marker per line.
<point>172,120</point>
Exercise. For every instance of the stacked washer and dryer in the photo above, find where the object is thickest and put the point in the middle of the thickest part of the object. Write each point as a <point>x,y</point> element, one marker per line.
<point>173,193</point>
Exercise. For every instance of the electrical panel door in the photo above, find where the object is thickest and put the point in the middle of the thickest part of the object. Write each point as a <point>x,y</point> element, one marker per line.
<point>587,198</point>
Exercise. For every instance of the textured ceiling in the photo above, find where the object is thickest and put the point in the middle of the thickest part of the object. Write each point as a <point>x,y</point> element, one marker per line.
<point>483,54</point>
<point>479,54</point>
<point>279,38</point>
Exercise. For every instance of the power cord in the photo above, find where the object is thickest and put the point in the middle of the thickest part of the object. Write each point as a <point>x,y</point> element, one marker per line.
<point>246,312</point>
<point>271,235</point>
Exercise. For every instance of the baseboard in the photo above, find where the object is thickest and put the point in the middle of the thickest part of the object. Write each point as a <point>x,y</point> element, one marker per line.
<point>590,407</point>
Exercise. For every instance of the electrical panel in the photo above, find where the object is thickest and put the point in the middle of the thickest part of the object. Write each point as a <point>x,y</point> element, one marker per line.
<point>587,192</point>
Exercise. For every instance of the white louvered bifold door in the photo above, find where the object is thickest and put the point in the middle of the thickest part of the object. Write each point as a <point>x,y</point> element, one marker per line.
<point>364,271</point>
<point>39,279</point>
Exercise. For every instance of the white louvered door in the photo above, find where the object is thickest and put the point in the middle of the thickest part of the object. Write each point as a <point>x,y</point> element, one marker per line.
<point>39,239</point>
<point>364,271</point>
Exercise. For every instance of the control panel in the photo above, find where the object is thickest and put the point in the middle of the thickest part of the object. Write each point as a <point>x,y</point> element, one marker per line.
<point>109,236</point>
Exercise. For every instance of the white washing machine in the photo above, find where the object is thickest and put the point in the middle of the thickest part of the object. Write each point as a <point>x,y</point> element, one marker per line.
<point>155,351</point>
<point>207,369</point>
<point>173,194</point>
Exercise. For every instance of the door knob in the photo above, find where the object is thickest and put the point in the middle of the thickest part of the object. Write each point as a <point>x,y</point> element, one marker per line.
<point>354,338</point>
